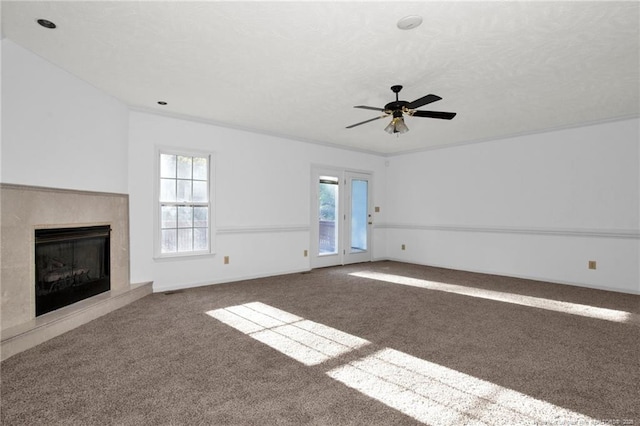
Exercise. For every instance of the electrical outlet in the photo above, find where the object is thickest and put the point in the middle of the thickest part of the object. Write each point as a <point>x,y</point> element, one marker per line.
<point>404,247</point>
<point>226,260</point>
<point>306,253</point>
<point>592,264</point>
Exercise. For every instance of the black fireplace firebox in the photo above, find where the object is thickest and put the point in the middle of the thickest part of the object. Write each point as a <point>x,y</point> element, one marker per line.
<point>72,264</point>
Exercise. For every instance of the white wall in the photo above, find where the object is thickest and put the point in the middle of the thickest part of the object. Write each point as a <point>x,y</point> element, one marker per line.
<point>58,131</point>
<point>262,200</point>
<point>538,206</point>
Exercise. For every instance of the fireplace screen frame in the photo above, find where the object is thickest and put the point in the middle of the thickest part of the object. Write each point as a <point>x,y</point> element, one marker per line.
<point>62,277</point>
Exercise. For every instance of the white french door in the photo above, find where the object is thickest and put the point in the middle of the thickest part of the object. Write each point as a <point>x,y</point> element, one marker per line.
<point>341,217</point>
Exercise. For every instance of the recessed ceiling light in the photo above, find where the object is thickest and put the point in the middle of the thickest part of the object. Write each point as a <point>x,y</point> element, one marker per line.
<point>409,22</point>
<point>162,103</point>
<point>45,23</point>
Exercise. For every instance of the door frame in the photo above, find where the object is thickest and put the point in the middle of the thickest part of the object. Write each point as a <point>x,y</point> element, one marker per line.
<point>341,257</point>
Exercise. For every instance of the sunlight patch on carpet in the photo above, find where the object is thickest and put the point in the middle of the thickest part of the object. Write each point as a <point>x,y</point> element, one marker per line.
<point>305,341</point>
<point>534,302</point>
<point>425,391</point>
<point>437,395</point>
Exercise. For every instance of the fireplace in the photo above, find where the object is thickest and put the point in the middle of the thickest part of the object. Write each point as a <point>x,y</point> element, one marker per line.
<point>72,264</point>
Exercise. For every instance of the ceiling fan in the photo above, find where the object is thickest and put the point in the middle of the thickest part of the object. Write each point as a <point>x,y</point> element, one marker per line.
<point>398,109</point>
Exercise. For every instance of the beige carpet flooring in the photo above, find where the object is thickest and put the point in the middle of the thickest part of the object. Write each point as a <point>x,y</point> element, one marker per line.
<point>404,344</point>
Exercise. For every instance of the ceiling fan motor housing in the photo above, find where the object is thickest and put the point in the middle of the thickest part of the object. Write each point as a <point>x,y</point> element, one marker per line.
<point>395,107</point>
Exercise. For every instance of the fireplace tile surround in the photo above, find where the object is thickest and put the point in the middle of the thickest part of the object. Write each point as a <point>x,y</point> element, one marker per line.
<point>27,208</point>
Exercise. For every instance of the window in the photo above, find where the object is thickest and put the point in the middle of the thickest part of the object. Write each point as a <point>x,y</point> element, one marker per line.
<point>184,206</point>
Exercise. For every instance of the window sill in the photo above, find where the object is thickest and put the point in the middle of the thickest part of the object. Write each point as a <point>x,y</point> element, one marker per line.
<point>185,256</point>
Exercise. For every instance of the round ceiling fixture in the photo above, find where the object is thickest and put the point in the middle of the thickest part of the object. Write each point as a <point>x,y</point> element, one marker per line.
<point>162,103</point>
<point>409,22</point>
<point>46,23</point>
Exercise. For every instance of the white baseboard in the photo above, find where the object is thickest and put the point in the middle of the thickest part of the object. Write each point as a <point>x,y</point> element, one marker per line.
<point>526,277</point>
<point>184,286</point>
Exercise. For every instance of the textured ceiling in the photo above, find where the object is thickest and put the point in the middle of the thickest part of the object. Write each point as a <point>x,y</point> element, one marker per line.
<point>296,69</point>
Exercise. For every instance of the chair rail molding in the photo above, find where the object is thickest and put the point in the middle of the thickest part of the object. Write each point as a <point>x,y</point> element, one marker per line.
<point>633,234</point>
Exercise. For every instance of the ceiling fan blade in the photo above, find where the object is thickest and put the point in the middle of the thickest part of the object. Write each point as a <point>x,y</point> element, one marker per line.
<point>368,107</point>
<point>434,114</point>
<point>423,101</point>
<point>367,121</point>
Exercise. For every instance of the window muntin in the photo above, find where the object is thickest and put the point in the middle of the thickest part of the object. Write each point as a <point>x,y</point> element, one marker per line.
<point>184,204</point>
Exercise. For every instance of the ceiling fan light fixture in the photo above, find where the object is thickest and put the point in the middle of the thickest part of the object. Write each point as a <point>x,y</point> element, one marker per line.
<point>397,125</point>
<point>400,126</point>
<point>390,128</point>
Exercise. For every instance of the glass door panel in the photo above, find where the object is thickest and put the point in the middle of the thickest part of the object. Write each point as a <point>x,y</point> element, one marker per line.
<point>358,223</point>
<point>328,215</point>
<point>359,212</point>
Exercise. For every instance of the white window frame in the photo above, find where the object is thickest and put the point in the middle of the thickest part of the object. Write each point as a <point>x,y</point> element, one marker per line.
<point>157,217</point>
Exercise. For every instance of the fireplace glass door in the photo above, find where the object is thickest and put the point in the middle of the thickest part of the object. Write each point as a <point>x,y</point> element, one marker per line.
<point>72,264</point>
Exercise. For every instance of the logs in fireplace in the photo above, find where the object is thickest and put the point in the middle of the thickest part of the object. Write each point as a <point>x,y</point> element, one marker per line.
<point>72,264</point>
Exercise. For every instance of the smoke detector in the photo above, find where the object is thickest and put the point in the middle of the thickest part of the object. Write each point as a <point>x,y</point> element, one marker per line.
<point>409,22</point>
